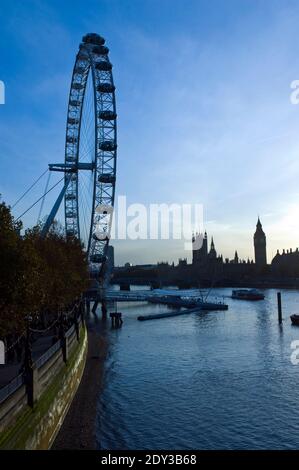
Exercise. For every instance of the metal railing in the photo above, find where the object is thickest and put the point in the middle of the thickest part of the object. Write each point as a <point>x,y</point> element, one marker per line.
<point>70,331</point>
<point>47,355</point>
<point>12,387</point>
<point>50,352</point>
<point>18,381</point>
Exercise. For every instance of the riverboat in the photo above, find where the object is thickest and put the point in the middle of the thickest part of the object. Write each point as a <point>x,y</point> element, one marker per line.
<point>247,294</point>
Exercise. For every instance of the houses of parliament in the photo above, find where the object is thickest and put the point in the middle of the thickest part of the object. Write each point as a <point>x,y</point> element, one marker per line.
<point>208,268</point>
<point>206,262</point>
<point>203,257</point>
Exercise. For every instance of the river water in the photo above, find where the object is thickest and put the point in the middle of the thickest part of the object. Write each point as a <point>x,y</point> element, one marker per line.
<point>213,380</point>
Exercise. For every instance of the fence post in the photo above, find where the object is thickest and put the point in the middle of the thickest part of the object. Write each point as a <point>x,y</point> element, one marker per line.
<point>77,327</point>
<point>82,312</point>
<point>104,310</point>
<point>31,380</point>
<point>279,308</point>
<point>31,372</point>
<point>63,339</point>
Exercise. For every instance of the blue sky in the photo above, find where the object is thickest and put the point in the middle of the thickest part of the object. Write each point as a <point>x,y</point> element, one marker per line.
<point>203,102</point>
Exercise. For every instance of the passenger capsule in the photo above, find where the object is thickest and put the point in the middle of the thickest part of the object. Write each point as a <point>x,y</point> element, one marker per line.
<point>93,38</point>
<point>98,258</point>
<point>77,86</point>
<point>71,139</point>
<point>70,158</point>
<point>79,70</point>
<point>106,88</point>
<point>69,233</point>
<point>83,56</point>
<point>107,115</point>
<point>75,103</point>
<point>107,145</point>
<point>70,196</point>
<point>103,238</point>
<point>106,178</point>
<point>101,50</point>
<point>104,66</point>
<point>72,120</point>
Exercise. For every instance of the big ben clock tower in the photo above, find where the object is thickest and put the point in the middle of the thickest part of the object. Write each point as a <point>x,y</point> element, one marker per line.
<point>260,246</point>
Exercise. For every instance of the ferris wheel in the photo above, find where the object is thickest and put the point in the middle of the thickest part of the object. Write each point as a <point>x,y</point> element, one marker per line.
<point>90,152</point>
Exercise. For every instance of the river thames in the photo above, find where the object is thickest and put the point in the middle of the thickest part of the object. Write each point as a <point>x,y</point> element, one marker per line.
<point>211,380</point>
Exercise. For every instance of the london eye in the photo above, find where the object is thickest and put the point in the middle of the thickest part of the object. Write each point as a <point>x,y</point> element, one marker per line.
<point>90,152</point>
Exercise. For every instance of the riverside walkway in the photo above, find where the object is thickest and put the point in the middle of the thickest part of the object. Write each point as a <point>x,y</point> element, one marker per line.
<point>9,371</point>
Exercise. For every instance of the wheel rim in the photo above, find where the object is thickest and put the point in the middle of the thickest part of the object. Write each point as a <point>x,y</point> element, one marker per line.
<point>91,147</point>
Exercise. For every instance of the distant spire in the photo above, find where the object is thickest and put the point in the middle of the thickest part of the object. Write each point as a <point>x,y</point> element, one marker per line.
<point>213,252</point>
<point>259,228</point>
<point>212,244</point>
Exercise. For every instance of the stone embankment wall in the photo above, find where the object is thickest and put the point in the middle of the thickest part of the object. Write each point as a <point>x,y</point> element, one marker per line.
<point>32,414</point>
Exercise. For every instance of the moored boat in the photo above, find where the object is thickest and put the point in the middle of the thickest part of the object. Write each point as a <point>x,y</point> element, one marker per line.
<point>247,294</point>
<point>295,319</point>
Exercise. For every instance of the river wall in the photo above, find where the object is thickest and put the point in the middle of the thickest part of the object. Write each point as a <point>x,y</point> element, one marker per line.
<point>32,414</point>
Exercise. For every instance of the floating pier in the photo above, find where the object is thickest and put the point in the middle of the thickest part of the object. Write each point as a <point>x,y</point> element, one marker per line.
<point>173,301</point>
<point>205,306</point>
<point>165,315</point>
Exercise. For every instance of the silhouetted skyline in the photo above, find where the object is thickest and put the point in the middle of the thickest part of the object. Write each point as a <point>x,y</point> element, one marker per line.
<point>204,111</point>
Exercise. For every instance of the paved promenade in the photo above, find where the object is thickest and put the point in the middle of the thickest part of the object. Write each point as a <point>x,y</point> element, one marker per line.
<point>79,427</point>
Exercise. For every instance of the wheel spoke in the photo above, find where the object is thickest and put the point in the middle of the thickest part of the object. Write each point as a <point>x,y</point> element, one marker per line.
<point>91,138</point>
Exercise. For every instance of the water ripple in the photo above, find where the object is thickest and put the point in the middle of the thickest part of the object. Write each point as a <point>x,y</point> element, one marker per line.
<point>218,380</point>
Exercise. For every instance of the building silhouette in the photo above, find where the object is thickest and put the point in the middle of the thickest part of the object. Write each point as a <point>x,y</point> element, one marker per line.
<point>199,248</point>
<point>202,257</point>
<point>286,263</point>
<point>259,240</point>
<point>209,268</point>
